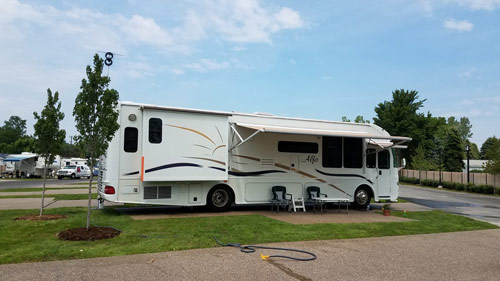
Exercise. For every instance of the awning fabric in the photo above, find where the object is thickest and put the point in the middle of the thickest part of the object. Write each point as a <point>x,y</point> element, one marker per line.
<point>319,132</point>
<point>17,158</point>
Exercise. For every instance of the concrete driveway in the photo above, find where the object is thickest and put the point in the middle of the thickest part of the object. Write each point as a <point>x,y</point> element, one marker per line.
<point>471,255</point>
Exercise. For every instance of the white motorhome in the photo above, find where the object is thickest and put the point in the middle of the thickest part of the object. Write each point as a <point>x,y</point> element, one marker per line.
<point>188,157</point>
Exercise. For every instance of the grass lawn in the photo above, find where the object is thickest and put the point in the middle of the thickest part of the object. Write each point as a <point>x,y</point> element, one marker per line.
<point>39,189</point>
<point>25,241</point>
<point>56,196</point>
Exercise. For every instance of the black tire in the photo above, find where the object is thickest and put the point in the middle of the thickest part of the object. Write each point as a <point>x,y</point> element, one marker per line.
<point>59,177</point>
<point>362,198</point>
<point>72,176</point>
<point>220,198</point>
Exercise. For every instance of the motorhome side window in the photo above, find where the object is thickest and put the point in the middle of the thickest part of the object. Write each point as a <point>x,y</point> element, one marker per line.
<point>131,139</point>
<point>371,158</point>
<point>384,160</point>
<point>155,130</point>
<point>353,153</point>
<point>332,152</point>
<point>297,147</point>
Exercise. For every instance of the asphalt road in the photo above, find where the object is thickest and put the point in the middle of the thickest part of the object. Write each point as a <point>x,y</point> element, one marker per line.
<point>6,183</point>
<point>477,206</point>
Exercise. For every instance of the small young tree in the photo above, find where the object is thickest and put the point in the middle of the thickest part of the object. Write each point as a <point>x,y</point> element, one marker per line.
<point>96,117</point>
<point>49,137</point>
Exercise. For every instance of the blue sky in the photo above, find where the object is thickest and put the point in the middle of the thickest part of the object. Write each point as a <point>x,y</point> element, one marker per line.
<point>311,59</point>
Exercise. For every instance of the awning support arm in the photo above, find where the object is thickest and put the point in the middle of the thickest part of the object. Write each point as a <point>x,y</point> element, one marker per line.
<point>242,140</point>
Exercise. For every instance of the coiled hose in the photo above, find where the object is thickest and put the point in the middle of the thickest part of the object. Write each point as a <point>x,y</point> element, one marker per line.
<point>252,248</point>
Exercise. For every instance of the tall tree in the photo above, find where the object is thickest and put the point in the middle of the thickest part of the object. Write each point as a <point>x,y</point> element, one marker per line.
<point>420,161</point>
<point>488,145</point>
<point>493,154</point>
<point>96,117</point>
<point>474,150</point>
<point>453,152</point>
<point>463,127</point>
<point>12,130</point>
<point>49,137</point>
<point>400,117</point>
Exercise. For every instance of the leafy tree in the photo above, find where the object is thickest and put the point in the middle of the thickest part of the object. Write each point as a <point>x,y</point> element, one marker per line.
<point>49,137</point>
<point>493,165</point>
<point>463,127</point>
<point>400,117</point>
<point>420,161</point>
<point>487,146</point>
<point>70,150</point>
<point>26,143</point>
<point>474,150</point>
<point>344,119</point>
<point>12,130</point>
<point>453,152</point>
<point>96,117</point>
<point>361,119</point>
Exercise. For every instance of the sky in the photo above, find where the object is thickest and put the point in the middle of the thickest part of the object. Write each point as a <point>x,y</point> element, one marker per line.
<point>309,59</point>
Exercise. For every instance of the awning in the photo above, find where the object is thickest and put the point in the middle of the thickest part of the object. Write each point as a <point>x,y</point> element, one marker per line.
<point>320,132</point>
<point>17,158</point>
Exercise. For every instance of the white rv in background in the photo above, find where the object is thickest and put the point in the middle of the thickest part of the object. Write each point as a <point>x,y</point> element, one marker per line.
<point>188,157</point>
<point>29,164</point>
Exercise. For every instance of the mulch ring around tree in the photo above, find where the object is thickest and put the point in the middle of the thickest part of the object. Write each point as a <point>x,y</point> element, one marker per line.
<point>91,234</point>
<point>41,218</point>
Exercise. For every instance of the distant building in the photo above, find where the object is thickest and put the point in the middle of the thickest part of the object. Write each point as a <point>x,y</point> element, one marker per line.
<point>475,165</point>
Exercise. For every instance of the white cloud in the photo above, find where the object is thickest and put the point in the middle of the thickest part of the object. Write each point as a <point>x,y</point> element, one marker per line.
<point>205,65</point>
<point>239,49</point>
<point>479,4</point>
<point>247,20</point>
<point>465,74</point>
<point>457,25</point>
<point>145,30</point>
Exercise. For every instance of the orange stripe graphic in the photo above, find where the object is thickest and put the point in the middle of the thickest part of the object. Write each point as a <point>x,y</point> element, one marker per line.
<point>142,168</point>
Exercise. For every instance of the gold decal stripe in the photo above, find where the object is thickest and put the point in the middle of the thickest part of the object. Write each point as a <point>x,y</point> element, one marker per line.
<point>194,131</point>
<point>208,159</point>
<point>248,157</point>
<point>296,171</point>
<point>202,146</point>
<point>220,146</point>
<point>281,166</point>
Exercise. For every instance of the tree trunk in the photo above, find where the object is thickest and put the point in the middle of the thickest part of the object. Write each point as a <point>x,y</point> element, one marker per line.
<point>90,193</point>
<point>43,189</point>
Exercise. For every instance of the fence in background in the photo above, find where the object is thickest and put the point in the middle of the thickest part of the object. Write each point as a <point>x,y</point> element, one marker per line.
<point>458,177</point>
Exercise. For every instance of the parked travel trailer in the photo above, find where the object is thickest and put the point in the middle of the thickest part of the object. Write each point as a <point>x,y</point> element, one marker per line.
<point>188,157</point>
<point>29,164</point>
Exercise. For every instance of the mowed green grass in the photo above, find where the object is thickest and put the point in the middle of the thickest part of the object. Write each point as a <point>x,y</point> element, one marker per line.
<point>56,196</point>
<point>28,241</point>
<point>39,189</point>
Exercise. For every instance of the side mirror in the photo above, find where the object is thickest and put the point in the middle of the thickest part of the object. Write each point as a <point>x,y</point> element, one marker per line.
<point>403,163</point>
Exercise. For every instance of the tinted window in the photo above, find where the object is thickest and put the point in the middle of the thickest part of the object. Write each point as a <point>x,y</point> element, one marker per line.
<point>383,160</point>
<point>130,140</point>
<point>155,130</point>
<point>332,152</point>
<point>353,152</point>
<point>297,147</point>
<point>371,158</point>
